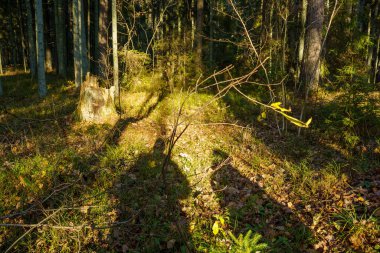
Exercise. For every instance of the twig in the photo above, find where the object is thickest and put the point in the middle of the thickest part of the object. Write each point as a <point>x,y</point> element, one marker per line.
<point>31,229</point>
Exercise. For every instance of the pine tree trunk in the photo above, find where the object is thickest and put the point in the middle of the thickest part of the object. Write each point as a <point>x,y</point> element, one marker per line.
<point>31,41</point>
<point>60,37</point>
<point>1,88</point>
<point>42,90</point>
<point>83,41</point>
<point>301,42</point>
<point>24,60</point>
<point>96,37</point>
<point>114,49</point>
<point>12,35</point>
<point>200,7</point>
<point>103,25</point>
<point>313,45</point>
<point>1,63</point>
<point>77,45</point>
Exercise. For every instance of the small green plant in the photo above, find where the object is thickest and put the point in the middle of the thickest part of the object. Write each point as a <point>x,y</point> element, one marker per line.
<point>243,243</point>
<point>247,243</point>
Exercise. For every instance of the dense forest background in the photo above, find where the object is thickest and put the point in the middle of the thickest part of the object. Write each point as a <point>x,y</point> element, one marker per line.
<point>189,126</point>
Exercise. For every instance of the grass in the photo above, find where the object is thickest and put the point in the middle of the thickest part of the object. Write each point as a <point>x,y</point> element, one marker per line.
<point>101,187</point>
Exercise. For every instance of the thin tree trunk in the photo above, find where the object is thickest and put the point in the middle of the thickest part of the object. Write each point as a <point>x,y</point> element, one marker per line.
<point>83,40</point>
<point>211,43</point>
<point>103,35</point>
<point>24,60</point>
<point>1,88</point>
<point>200,7</point>
<point>114,49</point>
<point>60,37</point>
<point>1,63</point>
<point>301,42</point>
<point>31,40</point>
<point>42,90</point>
<point>12,35</point>
<point>96,37</point>
<point>77,44</point>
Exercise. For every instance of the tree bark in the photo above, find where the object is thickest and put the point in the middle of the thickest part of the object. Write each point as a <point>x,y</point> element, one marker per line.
<point>24,60</point>
<point>1,63</point>
<point>1,88</point>
<point>80,51</point>
<point>114,49</point>
<point>60,37</point>
<point>313,46</point>
<point>301,41</point>
<point>31,41</point>
<point>42,90</point>
<point>200,16</point>
<point>95,25</point>
<point>103,28</point>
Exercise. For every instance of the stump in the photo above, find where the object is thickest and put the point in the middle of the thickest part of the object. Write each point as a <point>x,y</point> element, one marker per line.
<point>96,104</point>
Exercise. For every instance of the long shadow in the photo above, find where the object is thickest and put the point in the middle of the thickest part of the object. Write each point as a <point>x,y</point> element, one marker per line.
<point>67,187</point>
<point>250,208</point>
<point>150,215</point>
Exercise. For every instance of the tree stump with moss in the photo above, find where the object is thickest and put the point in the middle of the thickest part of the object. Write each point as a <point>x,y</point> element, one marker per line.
<point>96,104</point>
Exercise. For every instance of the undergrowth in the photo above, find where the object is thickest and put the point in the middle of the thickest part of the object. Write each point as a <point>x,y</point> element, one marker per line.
<point>229,188</point>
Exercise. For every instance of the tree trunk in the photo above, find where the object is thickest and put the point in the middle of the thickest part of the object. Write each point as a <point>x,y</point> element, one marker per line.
<point>1,88</point>
<point>60,37</point>
<point>200,7</point>
<point>313,45</point>
<point>31,41</point>
<point>49,39</point>
<point>24,61</point>
<point>80,51</point>
<point>1,63</point>
<point>114,49</point>
<point>301,42</point>
<point>95,25</point>
<point>12,35</point>
<point>83,40</point>
<point>42,90</point>
<point>103,25</point>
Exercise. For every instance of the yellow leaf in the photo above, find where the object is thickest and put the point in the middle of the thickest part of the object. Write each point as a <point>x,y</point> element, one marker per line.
<point>264,115</point>
<point>22,181</point>
<point>361,199</point>
<point>277,106</point>
<point>221,219</point>
<point>215,228</point>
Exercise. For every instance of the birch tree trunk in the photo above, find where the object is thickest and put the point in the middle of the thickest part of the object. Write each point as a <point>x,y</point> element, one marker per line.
<point>313,46</point>
<point>60,37</point>
<point>31,41</point>
<point>42,90</point>
<point>114,49</point>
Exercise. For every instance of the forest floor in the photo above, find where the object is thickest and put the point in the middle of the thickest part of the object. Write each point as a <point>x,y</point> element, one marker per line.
<point>99,188</point>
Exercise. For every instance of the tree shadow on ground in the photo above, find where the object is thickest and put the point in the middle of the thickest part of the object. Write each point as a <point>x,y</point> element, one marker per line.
<point>149,210</point>
<point>71,182</point>
<point>250,208</point>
